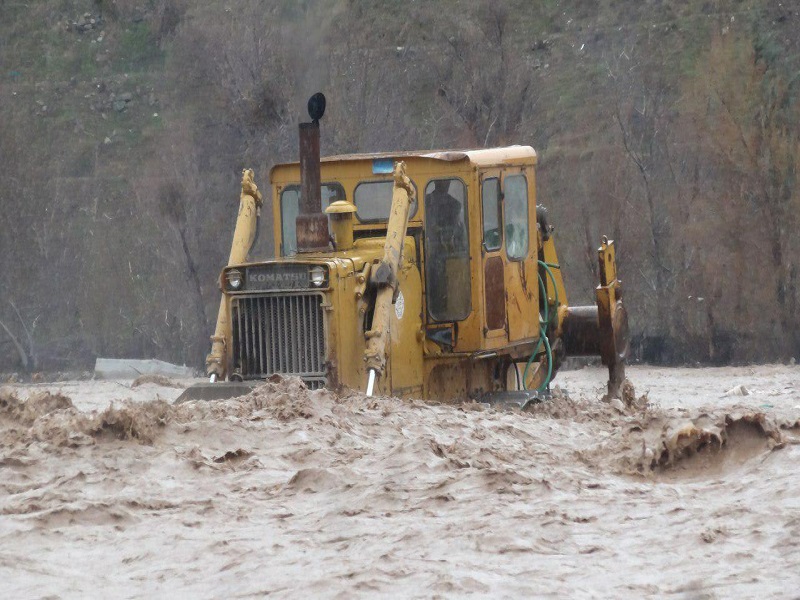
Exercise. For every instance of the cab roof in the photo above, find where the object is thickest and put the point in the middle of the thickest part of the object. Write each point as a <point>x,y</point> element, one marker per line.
<point>483,157</point>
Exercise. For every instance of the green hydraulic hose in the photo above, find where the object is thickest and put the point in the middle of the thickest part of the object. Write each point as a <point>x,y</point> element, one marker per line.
<point>552,278</point>
<point>530,361</point>
<point>543,329</point>
<point>543,290</point>
<point>541,335</point>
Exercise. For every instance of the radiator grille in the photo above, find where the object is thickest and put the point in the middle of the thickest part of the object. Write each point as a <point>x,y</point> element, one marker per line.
<point>279,334</point>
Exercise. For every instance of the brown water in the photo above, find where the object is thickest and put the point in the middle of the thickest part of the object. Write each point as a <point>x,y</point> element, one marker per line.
<point>687,492</point>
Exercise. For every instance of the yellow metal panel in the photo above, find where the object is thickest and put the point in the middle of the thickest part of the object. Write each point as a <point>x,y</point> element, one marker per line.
<point>350,335</point>
<point>406,347</point>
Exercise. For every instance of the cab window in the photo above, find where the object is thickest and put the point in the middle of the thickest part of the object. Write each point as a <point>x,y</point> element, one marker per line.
<point>490,201</point>
<point>515,222</point>
<point>373,200</point>
<point>290,208</point>
<point>447,275</point>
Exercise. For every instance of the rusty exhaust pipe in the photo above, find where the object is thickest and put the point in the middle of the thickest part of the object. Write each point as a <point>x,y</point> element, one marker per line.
<point>311,223</point>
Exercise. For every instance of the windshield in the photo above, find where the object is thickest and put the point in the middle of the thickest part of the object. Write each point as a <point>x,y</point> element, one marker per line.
<point>373,200</point>
<point>290,208</point>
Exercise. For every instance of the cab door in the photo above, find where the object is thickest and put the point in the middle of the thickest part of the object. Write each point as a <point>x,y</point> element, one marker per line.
<point>519,254</point>
<point>493,263</point>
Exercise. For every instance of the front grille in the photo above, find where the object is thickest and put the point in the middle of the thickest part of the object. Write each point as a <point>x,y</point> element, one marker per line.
<point>279,334</point>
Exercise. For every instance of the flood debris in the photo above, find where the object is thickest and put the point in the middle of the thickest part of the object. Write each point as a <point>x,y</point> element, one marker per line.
<point>738,390</point>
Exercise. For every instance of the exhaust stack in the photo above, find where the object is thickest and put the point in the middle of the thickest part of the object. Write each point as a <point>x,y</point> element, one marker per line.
<point>312,223</point>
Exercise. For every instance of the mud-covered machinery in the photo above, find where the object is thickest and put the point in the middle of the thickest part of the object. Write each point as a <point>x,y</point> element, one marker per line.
<point>413,274</point>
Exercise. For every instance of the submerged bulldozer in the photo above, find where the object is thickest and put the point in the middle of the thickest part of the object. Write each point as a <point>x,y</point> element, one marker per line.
<point>428,275</point>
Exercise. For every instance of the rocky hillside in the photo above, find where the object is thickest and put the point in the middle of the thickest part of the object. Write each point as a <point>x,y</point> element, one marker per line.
<point>671,126</point>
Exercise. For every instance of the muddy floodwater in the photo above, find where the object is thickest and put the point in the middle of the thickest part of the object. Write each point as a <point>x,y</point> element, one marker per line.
<point>688,489</point>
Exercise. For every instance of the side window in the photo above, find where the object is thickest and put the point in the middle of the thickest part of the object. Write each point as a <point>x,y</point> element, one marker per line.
<point>290,208</point>
<point>515,199</point>
<point>447,275</point>
<point>490,199</point>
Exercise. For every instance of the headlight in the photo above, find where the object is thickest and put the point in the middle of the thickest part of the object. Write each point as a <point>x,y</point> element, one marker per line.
<point>317,276</point>
<point>234,278</point>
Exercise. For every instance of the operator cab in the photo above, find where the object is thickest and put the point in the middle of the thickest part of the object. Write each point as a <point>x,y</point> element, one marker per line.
<point>473,225</point>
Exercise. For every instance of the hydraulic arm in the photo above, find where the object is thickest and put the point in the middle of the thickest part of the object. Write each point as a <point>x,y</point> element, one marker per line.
<point>243,237</point>
<point>384,277</point>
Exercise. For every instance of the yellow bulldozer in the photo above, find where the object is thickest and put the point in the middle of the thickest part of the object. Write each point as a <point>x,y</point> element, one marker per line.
<point>428,275</point>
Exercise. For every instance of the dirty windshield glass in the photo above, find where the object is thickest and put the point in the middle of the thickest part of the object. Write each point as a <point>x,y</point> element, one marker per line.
<point>515,199</point>
<point>290,208</point>
<point>447,250</point>
<point>373,200</point>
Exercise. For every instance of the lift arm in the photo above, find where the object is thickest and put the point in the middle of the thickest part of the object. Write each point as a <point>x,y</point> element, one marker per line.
<point>612,318</point>
<point>384,277</point>
<point>243,237</point>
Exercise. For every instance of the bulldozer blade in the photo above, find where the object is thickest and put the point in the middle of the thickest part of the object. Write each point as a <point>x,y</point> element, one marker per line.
<point>217,391</point>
